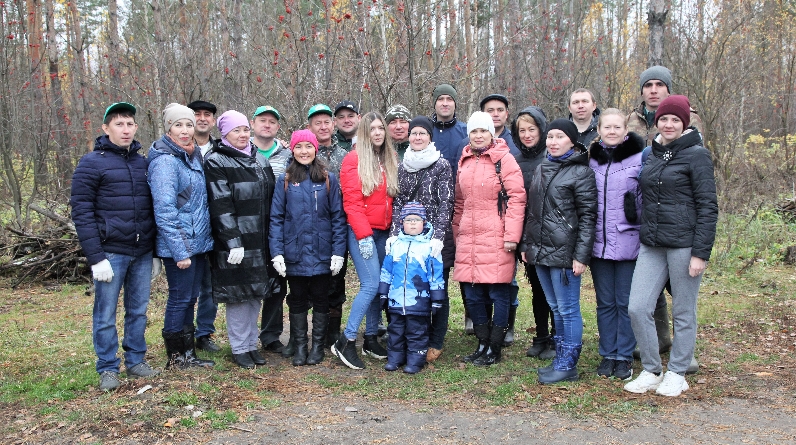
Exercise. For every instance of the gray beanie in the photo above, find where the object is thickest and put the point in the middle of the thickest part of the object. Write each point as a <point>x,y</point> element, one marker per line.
<point>658,72</point>
<point>174,112</point>
<point>445,88</point>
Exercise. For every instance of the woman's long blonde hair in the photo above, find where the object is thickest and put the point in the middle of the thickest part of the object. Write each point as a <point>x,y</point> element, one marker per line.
<point>372,159</point>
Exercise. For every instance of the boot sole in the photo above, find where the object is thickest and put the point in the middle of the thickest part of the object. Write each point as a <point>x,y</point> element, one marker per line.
<point>568,379</point>
<point>373,354</point>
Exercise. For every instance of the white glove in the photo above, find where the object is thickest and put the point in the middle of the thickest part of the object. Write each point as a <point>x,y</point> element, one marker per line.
<point>388,246</point>
<point>235,255</point>
<point>102,271</point>
<point>337,264</point>
<point>279,265</point>
<point>157,266</point>
<point>436,247</point>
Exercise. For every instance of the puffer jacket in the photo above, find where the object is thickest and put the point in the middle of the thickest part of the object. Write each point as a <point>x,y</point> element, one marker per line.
<point>308,225</point>
<point>616,172</point>
<point>678,192</point>
<point>637,123</point>
<point>530,157</point>
<point>587,136</point>
<point>447,136</point>
<point>179,195</point>
<point>239,189</point>
<point>560,222</point>
<point>111,202</point>
<point>478,229</point>
<point>410,277</point>
<point>364,213</point>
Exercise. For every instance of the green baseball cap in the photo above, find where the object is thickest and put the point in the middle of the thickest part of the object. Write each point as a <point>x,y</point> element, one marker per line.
<point>319,108</point>
<point>119,106</point>
<point>266,109</point>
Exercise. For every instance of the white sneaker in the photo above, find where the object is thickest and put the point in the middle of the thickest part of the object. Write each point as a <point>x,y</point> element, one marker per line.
<point>644,382</point>
<point>673,384</point>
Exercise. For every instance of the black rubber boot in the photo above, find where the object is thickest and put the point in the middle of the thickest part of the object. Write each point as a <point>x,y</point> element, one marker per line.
<point>508,340</point>
<point>566,368</point>
<point>333,329</point>
<point>482,334</point>
<point>298,333</point>
<point>189,346</point>
<point>663,329</point>
<point>540,344</point>
<point>174,351</point>
<point>319,325</point>
<point>492,355</point>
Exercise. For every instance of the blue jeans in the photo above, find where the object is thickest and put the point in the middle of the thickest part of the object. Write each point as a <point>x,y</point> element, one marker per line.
<point>612,281</point>
<point>184,288</point>
<point>366,301</point>
<point>133,274</point>
<point>478,296</point>
<point>206,309</point>
<point>562,289</point>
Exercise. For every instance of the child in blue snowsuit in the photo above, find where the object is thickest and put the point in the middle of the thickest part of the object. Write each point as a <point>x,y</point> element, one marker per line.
<point>411,287</point>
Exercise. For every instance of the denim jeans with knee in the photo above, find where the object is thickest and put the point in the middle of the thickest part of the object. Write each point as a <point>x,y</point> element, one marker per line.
<point>206,308</point>
<point>562,289</point>
<point>477,296</point>
<point>612,288</point>
<point>131,273</point>
<point>184,288</point>
<point>366,304</point>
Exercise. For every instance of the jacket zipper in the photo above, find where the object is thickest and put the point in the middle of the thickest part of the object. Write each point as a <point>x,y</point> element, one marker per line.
<point>544,203</point>
<point>605,201</point>
<point>406,270</point>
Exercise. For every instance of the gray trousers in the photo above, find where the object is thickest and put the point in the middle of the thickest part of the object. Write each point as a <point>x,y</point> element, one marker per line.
<point>244,335</point>
<point>654,266</point>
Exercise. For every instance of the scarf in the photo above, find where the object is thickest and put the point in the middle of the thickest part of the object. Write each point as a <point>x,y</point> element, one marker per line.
<point>187,148</point>
<point>611,147</point>
<point>480,151</point>
<point>561,158</point>
<point>418,160</point>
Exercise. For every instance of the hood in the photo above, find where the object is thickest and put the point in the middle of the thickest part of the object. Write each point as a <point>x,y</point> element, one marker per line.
<point>541,121</point>
<point>634,144</point>
<point>104,143</point>
<point>595,115</point>
<point>423,237</point>
<point>495,153</point>
<point>164,146</point>
<point>689,138</point>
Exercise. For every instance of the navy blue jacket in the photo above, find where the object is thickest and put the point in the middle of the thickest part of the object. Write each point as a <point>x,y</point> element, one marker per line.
<point>308,225</point>
<point>447,137</point>
<point>111,202</point>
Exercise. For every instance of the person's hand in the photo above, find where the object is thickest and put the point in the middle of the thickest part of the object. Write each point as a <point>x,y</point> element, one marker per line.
<point>337,264</point>
<point>697,266</point>
<point>366,246</point>
<point>235,255</point>
<point>435,307</point>
<point>436,247</point>
<point>578,268</point>
<point>279,265</point>
<point>157,266</point>
<point>184,264</point>
<point>384,302</point>
<point>388,246</point>
<point>524,258</point>
<point>509,246</point>
<point>102,271</point>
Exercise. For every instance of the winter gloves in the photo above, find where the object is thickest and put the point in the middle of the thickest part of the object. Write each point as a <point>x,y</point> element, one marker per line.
<point>366,246</point>
<point>235,255</point>
<point>630,207</point>
<point>279,265</point>
<point>102,271</point>
<point>337,264</point>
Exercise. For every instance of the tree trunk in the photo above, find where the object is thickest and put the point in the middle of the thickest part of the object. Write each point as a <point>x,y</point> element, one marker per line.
<point>114,95</point>
<point>656,18</point>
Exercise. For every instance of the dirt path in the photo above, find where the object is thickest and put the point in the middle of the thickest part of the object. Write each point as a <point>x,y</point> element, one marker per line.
<point>733,421</point>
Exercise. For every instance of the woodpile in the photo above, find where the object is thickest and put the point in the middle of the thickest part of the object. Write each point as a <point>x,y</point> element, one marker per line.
<point>52,254</point>
<point>787,209</point>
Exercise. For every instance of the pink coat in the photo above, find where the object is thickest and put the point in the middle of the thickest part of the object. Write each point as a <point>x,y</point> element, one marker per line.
<point>478,230</point>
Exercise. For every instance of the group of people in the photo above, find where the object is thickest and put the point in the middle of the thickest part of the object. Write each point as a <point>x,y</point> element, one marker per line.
<point>245,221</point>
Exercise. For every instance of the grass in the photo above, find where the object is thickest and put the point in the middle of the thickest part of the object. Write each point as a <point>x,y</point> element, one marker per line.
<point>746,312</point>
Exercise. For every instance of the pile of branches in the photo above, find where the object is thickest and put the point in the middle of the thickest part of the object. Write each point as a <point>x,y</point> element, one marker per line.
<point>52,254</point>
<point>787,209</point>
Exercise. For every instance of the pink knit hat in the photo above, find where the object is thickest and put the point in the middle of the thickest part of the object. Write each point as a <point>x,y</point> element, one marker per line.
<point>303,136</point>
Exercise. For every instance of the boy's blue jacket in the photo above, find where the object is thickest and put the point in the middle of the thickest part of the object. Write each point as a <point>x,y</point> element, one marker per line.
<point>411,277</point>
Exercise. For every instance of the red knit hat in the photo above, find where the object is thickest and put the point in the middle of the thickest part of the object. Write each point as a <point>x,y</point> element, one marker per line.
<point>676,105</point>
<point>303,136</point>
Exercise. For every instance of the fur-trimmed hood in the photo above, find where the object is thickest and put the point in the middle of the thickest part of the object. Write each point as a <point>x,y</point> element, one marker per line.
<point>633,145</point>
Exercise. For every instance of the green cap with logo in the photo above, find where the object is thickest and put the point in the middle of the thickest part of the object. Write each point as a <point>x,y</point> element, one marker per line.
<point>319,108</point>
<point>119,106</point>
<point>266,109</point>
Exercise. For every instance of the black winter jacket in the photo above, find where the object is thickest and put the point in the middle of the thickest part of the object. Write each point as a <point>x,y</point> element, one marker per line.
<point>239,190</point>
<point>111,202</point>
<point>559,223</point>
<point>678,189</point>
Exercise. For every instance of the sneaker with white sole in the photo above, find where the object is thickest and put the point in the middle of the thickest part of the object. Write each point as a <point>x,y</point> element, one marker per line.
<point>109,381</point>
<point>644,382</point>
<point>141,370</point>
<point>673,385</point>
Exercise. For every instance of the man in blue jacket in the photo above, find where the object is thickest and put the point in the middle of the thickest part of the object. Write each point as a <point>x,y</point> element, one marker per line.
<point>112,211</point>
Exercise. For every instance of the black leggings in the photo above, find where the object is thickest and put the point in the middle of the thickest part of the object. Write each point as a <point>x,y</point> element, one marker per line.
<point>541,310</point>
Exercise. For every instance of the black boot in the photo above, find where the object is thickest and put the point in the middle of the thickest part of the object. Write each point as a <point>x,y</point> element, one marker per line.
<point>333,329</point>
<point>189,346</point>
<point>508,340</point>
<point>298,333</point>
<point>346,351</point>
<point>319,324</point>
<point>290,348</point>
<point>539,345</point>
<point>174,351</point>
<point>372,347</point>
<point>492,355</point>
<point>482,334</point>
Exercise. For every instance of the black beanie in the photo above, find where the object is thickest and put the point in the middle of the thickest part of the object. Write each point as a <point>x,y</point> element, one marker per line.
<point>567,126</point>
<point>422,122</point>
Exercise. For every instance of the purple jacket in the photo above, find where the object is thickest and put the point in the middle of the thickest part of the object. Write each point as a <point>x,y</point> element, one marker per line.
<point>616,171</point>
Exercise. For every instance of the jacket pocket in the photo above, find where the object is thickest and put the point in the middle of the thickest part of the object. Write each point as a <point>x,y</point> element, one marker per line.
<point>292,250</point>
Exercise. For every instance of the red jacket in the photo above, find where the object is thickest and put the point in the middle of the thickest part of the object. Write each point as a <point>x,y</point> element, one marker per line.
<point>477,228</point>
<point>364,213</point>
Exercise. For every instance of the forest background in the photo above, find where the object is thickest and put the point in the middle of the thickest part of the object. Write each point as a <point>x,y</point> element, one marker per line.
<point>62,63</point>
